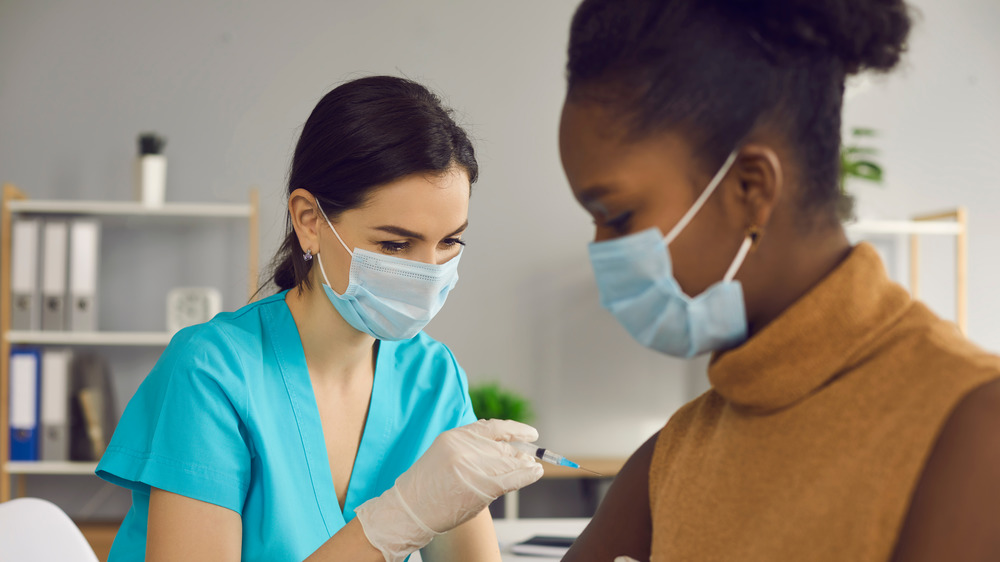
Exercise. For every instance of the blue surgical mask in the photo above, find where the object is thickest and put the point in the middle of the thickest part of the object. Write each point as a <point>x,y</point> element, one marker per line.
<point>636,282</point>
<point>388,297</point>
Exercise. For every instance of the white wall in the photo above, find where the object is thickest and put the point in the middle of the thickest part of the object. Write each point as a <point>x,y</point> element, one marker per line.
<point>939,116</point>
<point>229,84</point>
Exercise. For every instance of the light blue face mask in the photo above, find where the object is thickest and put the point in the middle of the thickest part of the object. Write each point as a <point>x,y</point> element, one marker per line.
<point>637,284</point>
<point>388,297</point>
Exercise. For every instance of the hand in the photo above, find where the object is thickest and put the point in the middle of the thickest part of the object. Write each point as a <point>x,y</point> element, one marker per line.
<point>464,470</point>
<point>625,559</point>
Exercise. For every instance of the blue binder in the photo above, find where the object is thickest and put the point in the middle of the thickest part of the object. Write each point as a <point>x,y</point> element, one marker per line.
<point>25,379</point>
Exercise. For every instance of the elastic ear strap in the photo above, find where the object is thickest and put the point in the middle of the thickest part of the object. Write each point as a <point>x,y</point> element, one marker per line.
<point>319,260</point>
<point>335,233</point>
<point>676,230</point>
<point>741,256</point>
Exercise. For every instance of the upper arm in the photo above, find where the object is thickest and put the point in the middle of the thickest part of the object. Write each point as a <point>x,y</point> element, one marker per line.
<point>474,541</point>
<point>181,528</point>
<point>955,509</point>
<point>623,524</point>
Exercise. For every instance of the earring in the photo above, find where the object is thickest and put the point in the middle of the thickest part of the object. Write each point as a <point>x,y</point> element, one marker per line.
<point>754,232</point>
<point>308,256</point>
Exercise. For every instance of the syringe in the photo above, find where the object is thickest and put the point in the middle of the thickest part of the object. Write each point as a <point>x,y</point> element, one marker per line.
<point>548,456</point>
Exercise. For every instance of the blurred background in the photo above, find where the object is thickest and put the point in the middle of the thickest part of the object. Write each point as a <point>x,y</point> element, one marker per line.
<point>229,84</point>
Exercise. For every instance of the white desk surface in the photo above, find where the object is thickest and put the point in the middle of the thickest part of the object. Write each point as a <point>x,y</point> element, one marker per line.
<point>510,532</point>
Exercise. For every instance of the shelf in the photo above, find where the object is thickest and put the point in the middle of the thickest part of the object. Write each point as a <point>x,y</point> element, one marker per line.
<point>905,227</point>
<point>51,467</point>
<point>152,339</point>
<point>131,209</point>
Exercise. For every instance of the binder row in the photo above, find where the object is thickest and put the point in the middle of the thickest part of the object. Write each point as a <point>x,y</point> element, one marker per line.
<point>54,264</point>
<point>60,405</point>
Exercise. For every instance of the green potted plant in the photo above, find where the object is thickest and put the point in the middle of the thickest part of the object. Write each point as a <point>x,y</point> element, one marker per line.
<point>490,401</point>
<point>857,161</point>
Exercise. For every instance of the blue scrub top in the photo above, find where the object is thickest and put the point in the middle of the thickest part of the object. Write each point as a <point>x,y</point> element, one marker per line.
<point>228,416</point>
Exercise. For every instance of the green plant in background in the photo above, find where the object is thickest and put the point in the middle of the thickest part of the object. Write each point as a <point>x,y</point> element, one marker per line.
<point>492,402</point>
<point>857,160</point>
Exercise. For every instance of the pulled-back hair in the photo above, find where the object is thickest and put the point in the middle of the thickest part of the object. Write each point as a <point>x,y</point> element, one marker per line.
<point>362,135</point>
<point>717,69</point>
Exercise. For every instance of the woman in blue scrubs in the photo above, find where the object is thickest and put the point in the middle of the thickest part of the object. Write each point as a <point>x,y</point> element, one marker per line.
<point>321,422</point>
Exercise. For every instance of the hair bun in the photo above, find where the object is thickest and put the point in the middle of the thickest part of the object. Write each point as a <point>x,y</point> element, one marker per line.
<point>863,34</point>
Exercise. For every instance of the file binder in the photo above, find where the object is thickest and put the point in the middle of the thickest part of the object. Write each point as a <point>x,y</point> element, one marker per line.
<point>54,241</point>
<point>25,313</point>
<point>55,405</point>
<point>24,375</point>
<point>84,244</point>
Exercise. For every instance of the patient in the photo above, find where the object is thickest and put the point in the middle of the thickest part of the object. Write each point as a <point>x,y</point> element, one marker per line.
<point>845,422</point>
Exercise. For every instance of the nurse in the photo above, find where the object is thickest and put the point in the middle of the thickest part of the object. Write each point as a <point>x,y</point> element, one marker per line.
<point>321,422</point>
<point>845,420</point>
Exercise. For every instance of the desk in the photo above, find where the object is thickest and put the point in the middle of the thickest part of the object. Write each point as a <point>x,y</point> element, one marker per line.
<point>510,532</point>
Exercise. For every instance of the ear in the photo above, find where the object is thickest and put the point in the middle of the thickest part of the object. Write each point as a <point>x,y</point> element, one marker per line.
<point>305,219</point>
<point>761,181</point>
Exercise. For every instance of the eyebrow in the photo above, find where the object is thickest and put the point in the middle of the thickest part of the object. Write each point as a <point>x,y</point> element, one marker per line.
<point>406,233</point>
<point>593,193</point>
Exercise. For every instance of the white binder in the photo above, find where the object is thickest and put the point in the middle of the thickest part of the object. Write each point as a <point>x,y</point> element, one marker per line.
<point>55,405</point>
<point>54,241</point>
<point>84,246</point>
<point>25,313</point>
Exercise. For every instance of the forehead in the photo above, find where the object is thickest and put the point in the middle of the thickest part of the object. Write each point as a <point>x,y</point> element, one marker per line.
<point>420,199</point>
<point>596,149</point>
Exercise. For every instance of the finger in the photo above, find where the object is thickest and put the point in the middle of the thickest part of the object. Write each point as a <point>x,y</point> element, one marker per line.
<point>504,430</point>
<point>517,479</point>
<point>625,559</point>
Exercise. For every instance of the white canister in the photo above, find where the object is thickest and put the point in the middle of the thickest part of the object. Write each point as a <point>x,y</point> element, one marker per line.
<point>151,179</point>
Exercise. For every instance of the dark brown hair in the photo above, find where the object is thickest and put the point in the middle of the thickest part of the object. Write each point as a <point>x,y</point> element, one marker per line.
<point>364,134</point>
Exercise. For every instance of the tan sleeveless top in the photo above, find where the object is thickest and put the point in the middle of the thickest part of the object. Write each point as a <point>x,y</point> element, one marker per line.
<point>815,433</point>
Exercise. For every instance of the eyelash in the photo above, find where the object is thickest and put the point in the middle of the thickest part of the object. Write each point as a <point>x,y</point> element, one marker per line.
<point>620,222</point>
<point>399,247</point>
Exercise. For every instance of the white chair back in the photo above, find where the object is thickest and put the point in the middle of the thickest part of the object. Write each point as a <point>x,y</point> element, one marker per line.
<point>33,530</point>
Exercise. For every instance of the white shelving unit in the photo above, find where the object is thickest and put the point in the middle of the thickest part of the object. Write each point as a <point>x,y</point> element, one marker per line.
<point>948,223</point>
<point>147,339</point>
<point>50,467</point>
<point>16,202</point>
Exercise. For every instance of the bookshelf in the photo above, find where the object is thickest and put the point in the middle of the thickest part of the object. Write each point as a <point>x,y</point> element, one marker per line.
<point>16,203</point>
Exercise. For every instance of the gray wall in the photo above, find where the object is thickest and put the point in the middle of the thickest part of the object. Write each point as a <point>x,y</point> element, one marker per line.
<point>230,83</point>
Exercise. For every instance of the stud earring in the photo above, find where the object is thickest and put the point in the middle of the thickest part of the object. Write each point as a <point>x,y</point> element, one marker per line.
<point>754,232</point>
<point>308,256</point>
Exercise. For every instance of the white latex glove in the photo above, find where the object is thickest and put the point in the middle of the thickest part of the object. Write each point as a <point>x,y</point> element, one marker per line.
<point>625,559</point>
<point>464,470</point>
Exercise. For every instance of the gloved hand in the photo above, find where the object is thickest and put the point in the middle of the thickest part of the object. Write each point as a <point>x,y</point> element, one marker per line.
<point>625,559</point>
<point>462,471</point>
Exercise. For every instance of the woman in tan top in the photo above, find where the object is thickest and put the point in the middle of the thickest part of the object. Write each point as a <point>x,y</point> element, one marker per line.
<point>845,421</point>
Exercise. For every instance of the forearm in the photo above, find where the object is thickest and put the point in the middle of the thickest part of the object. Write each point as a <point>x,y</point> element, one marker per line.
<point>472,541</point>
<point>348,544</point>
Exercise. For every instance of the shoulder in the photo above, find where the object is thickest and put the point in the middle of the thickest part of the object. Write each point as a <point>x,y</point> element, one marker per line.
<point>424,356</point>
<point>959,481</point>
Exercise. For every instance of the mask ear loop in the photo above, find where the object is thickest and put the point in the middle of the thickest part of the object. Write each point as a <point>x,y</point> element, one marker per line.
<point>749,245</point>
<point>319,258</point>
<point>700,202</point>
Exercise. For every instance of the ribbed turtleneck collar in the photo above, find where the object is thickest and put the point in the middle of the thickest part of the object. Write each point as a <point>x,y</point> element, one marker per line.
<point>815,339</point>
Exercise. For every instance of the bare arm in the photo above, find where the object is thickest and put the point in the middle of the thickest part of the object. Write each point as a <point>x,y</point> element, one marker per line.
<point>623,524</point>
<point>955,510</point>
<point>472,541</point>
<point>181,528</point>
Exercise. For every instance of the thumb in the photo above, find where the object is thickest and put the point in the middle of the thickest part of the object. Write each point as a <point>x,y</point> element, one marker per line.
<point>503,430</point>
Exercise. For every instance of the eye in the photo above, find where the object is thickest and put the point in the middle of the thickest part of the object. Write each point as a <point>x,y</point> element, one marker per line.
<point>452,242</point>
<point>393,247</point>
<point>619,223</point>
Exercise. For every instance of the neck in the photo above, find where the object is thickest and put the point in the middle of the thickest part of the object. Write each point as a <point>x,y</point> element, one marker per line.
<point>792,271</point>
<point>335,352</point>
